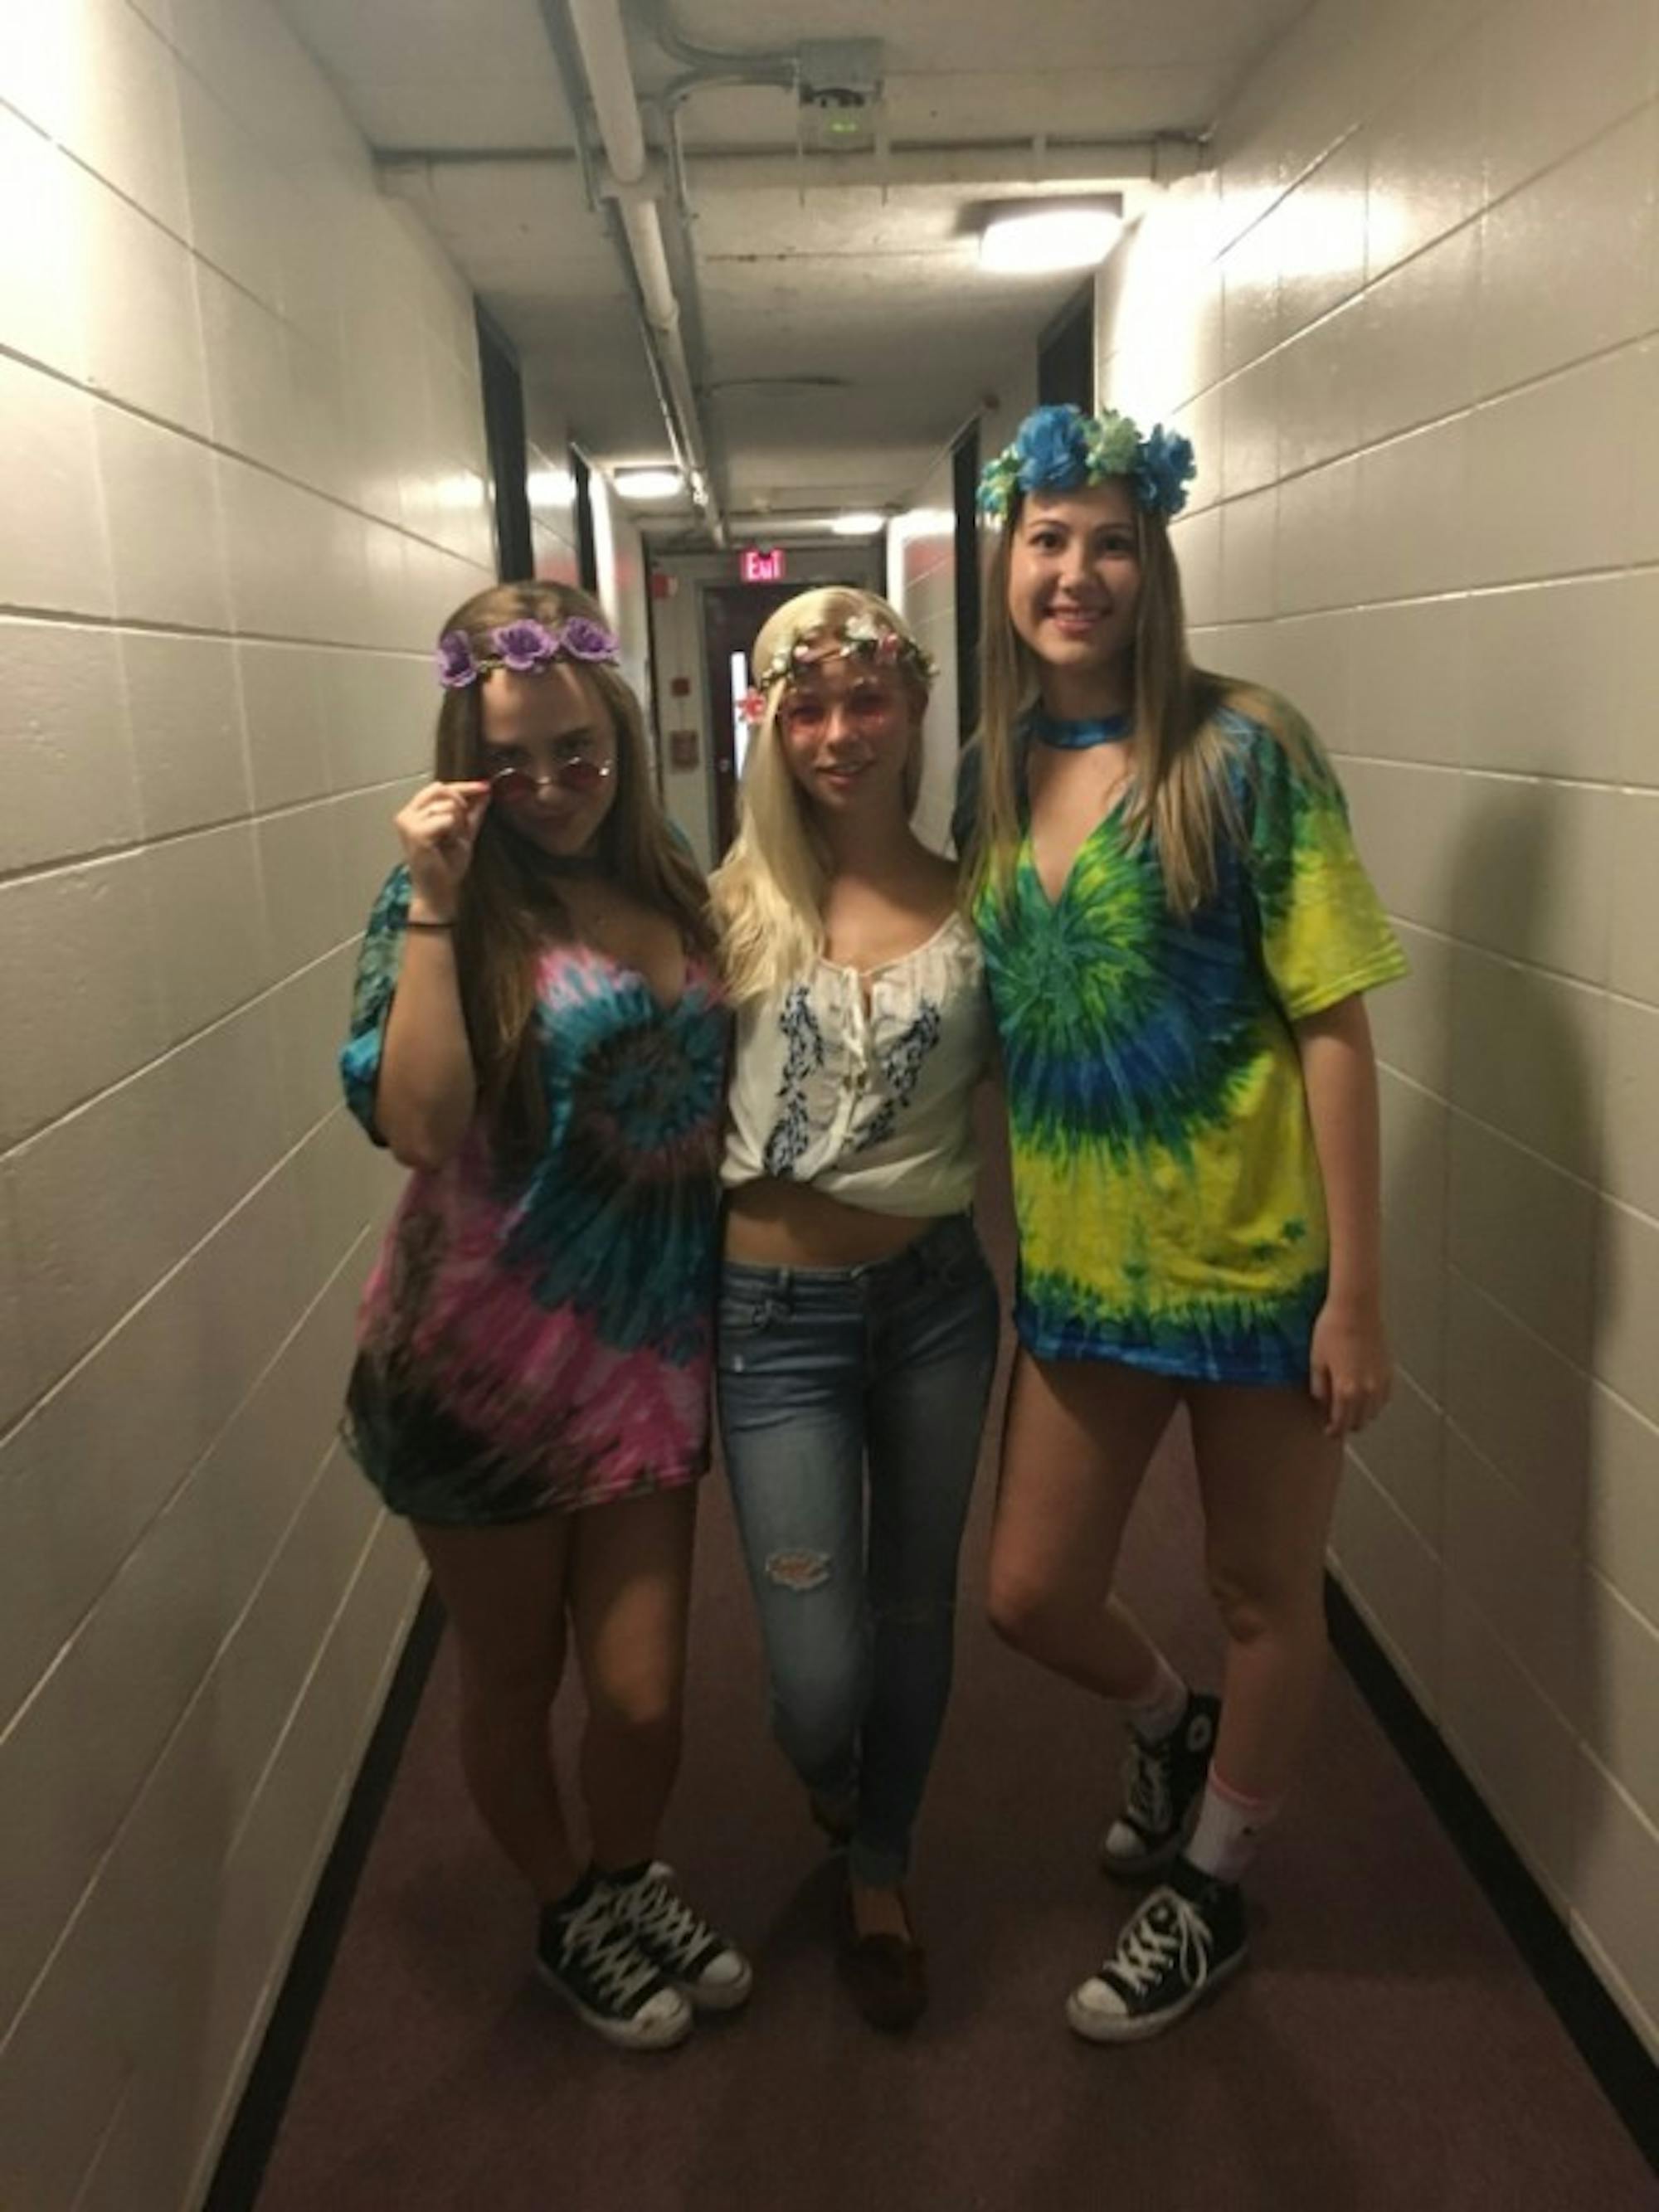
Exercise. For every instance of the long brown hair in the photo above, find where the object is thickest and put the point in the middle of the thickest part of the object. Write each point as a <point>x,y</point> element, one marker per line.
<point>1180,795</point>
<point>510,906</point>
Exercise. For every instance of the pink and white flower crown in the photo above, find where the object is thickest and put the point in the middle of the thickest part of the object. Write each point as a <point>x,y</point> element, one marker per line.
<point>526,647</point>
<point>860,637</point>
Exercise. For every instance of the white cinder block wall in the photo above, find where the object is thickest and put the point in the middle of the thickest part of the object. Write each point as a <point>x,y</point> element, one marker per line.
<point>1409,322</point>
<point>619,560</point>
<point>239,413</point>
<point>552,490</point>
<point>921,566</point>
<point>922,585</point>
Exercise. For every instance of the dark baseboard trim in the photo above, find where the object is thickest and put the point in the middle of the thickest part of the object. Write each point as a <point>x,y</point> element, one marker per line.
<point>1603,2036</point>
<point>1605,2041</point>
<point>247,2147</point>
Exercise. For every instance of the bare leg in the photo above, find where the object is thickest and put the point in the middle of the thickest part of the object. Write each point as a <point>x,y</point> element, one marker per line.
<point>1268,1474</point>
<point>503,1590</point>
<point>1076,1444</point>
<point>630,1586</point>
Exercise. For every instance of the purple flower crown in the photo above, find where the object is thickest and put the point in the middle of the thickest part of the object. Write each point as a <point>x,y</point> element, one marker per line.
<point>526,647</point>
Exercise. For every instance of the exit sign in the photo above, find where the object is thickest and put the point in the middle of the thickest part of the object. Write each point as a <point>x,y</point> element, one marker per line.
<point>762,565</point>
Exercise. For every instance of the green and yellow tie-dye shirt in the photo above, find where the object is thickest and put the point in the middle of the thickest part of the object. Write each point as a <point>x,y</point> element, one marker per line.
<point>1169,1200</point>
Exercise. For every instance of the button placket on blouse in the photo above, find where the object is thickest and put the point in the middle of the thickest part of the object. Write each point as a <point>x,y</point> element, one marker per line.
<point>857,1054</point>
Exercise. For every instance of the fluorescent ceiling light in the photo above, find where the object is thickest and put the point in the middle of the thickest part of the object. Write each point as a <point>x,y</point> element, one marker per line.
<point>857,526</point>
<point>1034,238</point>
<point>649,483</point>
<point>923,522</point>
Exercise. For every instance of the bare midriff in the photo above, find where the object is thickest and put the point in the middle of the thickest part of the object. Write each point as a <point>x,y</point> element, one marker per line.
<point>789,1224</point>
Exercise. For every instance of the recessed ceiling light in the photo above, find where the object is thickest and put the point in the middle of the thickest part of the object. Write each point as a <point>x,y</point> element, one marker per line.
<point>857,526</point>
<point>1034,239</point>
<point>649,483</point>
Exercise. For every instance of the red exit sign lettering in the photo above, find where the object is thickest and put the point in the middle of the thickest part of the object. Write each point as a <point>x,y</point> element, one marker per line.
<point>762,565</point>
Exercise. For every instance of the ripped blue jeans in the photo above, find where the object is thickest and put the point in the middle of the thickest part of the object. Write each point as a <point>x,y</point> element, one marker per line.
<point>827,1377</point>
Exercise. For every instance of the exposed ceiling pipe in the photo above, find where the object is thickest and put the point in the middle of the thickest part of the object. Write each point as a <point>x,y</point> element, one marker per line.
<point>603,44</point>
<point>602,48</point>
<point>707,68</point>
<point>992,162</point>
<point>1100,162</point>
<point>667,404</point>
<point>779,67</point>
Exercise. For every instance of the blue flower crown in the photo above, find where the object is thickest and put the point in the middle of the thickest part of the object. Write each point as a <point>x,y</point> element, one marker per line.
<point>1063,449</point>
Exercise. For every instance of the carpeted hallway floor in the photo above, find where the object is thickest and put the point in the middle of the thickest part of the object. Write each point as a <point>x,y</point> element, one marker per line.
<point>1387,2052</point>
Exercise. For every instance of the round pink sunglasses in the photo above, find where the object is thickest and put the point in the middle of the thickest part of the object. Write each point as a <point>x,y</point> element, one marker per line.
<point>516,786</point>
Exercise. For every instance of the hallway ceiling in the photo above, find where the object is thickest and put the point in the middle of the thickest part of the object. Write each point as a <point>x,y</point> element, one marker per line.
<point>839,329</point>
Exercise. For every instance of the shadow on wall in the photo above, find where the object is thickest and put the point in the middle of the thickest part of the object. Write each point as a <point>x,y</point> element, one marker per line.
<point>1495,1309</point>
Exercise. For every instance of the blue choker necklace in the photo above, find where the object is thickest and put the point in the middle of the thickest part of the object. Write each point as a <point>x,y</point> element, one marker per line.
<point>1073,736</point>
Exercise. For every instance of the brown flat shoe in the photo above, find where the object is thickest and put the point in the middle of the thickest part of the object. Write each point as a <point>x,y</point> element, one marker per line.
<point>886,1974</point>
<point>836,1817</point>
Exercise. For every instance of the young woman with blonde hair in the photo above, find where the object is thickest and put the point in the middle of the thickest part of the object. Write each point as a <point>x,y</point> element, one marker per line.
<point>1177,932</point>
<point>858,1321</point>
<point>540,1034</point>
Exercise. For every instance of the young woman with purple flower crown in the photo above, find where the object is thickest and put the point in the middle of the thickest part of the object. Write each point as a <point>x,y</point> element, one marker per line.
<point>858,1319</point>
<point>1177,932</point>
<point>540,1034</point>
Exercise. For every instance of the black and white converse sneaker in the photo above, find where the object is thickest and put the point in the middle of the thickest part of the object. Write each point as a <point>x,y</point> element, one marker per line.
<point>1181,1943</point>
<point>679,1942</point>
<point>1162,1782</point>
<point>589,1955</point>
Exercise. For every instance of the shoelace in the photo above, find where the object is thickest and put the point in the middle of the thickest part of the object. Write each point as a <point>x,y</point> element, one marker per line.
<point>661,1916</point>
<point>1148,1771</point>
<point>1167,1928</point>
<point>602,1946</point>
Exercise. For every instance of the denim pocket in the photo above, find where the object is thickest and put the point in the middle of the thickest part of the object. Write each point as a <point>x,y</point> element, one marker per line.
<point>958,1264</point>
<point>955,1302</point>
<point>747,1312</point>
<point>957,1268</point>
<point>742,1319</point>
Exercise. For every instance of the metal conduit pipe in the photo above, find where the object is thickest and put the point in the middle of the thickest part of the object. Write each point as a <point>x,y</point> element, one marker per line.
<point>706,67</point>
<point>778,67</point>
<point>642,227</point>
<point>668,406</point>
<point>992,163</point>
<point>602,45</point>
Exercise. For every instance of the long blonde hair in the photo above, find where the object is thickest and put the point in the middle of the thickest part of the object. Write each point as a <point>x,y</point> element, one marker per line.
<point>510,906</point>
<point>769,893</point>
<point>1180,795</point>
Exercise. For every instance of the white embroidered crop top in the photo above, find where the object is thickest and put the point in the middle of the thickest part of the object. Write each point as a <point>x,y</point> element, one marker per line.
<point>862,1084</point>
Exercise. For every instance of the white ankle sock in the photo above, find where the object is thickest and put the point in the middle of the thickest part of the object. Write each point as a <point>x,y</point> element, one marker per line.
<point>1229,1827</point>
<point>1160,1709</point>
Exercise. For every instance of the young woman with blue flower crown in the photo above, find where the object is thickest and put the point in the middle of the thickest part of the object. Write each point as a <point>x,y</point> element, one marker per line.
<point>858,1320</point>
<point>1177,931</point>
<point>540,1034</point>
